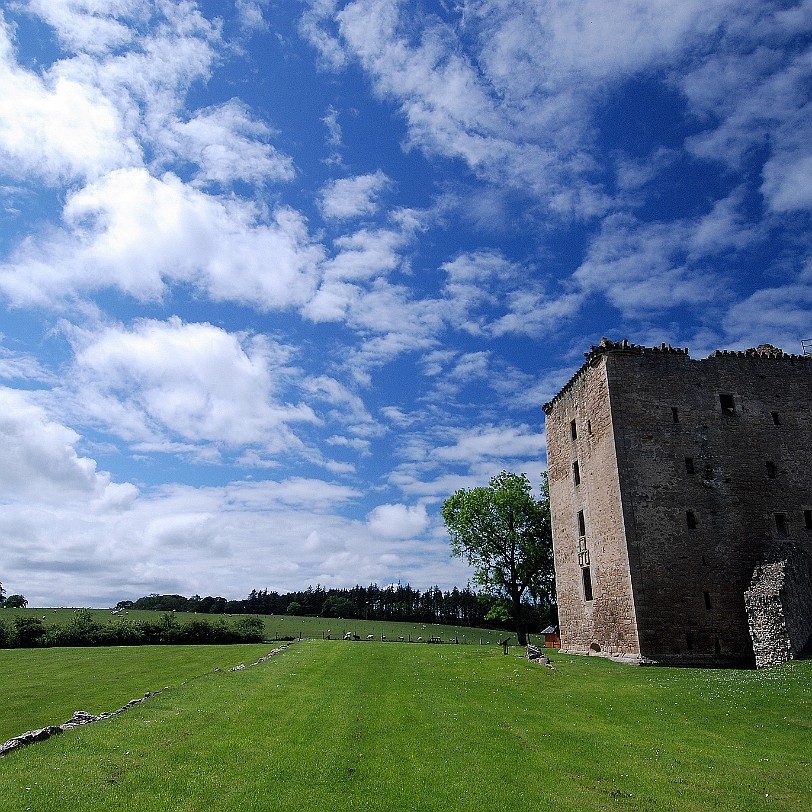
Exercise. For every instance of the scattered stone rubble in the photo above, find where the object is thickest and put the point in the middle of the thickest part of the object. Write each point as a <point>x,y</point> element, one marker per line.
<point>243,666</point>
<point>81,717</point>
<point>535,654</point>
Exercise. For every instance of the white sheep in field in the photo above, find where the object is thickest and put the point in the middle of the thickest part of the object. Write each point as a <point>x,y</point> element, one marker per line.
<point>370,637</point>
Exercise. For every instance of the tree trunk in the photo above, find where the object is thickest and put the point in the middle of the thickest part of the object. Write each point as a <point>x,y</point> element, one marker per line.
<point>521,633</point>
<point>518,617</point>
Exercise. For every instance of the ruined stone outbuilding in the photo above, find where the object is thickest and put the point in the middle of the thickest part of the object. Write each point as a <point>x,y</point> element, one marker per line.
<point>779,604</point>
<point>681,505</point>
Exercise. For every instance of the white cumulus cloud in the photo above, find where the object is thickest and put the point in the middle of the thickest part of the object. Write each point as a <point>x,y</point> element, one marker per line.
<point>137,233</point>
<point>352,197</point>
<point>192,383</point>
<point>398,521</point>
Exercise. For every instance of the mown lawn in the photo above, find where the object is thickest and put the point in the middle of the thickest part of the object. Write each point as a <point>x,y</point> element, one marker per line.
<point>40,687</point>
<point>348,726</point>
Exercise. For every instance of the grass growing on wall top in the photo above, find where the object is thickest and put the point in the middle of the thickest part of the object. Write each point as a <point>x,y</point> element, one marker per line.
<point>350,726</point>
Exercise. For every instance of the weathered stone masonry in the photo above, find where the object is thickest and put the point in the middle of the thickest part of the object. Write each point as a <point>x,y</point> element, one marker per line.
<point>671,479</point>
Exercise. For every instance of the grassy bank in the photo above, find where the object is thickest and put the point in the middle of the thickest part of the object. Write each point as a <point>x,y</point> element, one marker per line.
<point>342,726</point>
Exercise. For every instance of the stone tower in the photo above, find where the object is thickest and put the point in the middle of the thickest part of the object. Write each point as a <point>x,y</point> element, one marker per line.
<point>672,482</point>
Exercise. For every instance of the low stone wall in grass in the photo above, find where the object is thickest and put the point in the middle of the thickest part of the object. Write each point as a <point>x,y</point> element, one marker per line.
<point>80,717</point>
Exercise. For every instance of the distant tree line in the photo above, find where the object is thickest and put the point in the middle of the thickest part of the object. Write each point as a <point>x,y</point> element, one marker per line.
<point>12,601</point>
<point>29,631</point>
<point>456,607</point>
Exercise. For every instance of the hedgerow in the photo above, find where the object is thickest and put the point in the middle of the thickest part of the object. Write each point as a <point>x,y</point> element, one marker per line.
<point>84,630</point>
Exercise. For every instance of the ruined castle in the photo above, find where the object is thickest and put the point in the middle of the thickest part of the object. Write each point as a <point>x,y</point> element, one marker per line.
<point>681,501</point>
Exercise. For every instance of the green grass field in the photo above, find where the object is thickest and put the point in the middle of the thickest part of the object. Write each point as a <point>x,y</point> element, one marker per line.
<point>351,726</point>
<point>40,687</point>
<point>280,626</point>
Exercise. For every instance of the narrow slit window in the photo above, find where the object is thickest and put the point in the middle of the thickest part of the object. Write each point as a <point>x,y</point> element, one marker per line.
<point>586,577</point>
<point>576,473</point>
<point>689,465</point>
<point>776,419</point>
<point>781,525</point>
<point>706,596</point>
<point>581,523</point>
<point>808,519</point>
<point>690,519</point>
<point>589,427</point>
<point>727,403</point>
<point>573,430</point>
<point>675,414</point>
<point>771,469</point>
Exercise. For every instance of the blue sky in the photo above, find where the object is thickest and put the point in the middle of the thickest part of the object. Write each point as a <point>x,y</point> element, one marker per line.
<point>276,278</point>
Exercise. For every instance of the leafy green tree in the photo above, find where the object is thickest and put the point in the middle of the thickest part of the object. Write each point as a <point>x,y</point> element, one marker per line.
<point>81,630</point>
<point>500,612</point>
<point>28,631</point>
<point>2,595</point>
<point>339,606</point>
<point>15,602</point>
<point>504,533</point>
<point>250,629</point>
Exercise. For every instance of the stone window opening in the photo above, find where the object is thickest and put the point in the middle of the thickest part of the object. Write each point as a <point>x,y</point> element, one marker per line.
<point>781,525</point>
<point>576,473</point>
<point>690,519</point>
<point>581,524</point>
<point>808,519</point>
<point>573,430</point>
<point>586,578</point>
<point>776,419</point>
<point>689,465</point>
<point>707,597</point>
<point>771,469</point>
<point>589,427</point>
<point>583,552</point>
<point>675,414</point>
<point>727,403</point>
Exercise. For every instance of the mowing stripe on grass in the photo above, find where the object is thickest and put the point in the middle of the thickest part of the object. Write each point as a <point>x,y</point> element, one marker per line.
<point>40,687</point>
<point>346,727</point>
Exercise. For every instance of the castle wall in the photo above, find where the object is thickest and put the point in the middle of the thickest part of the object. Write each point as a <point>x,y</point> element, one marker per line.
<point>606,622</point>
<point>699,467</point>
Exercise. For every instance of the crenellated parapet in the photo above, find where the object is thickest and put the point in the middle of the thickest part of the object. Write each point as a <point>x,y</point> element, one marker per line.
<point>608,347</point>
<point>762,351</point>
